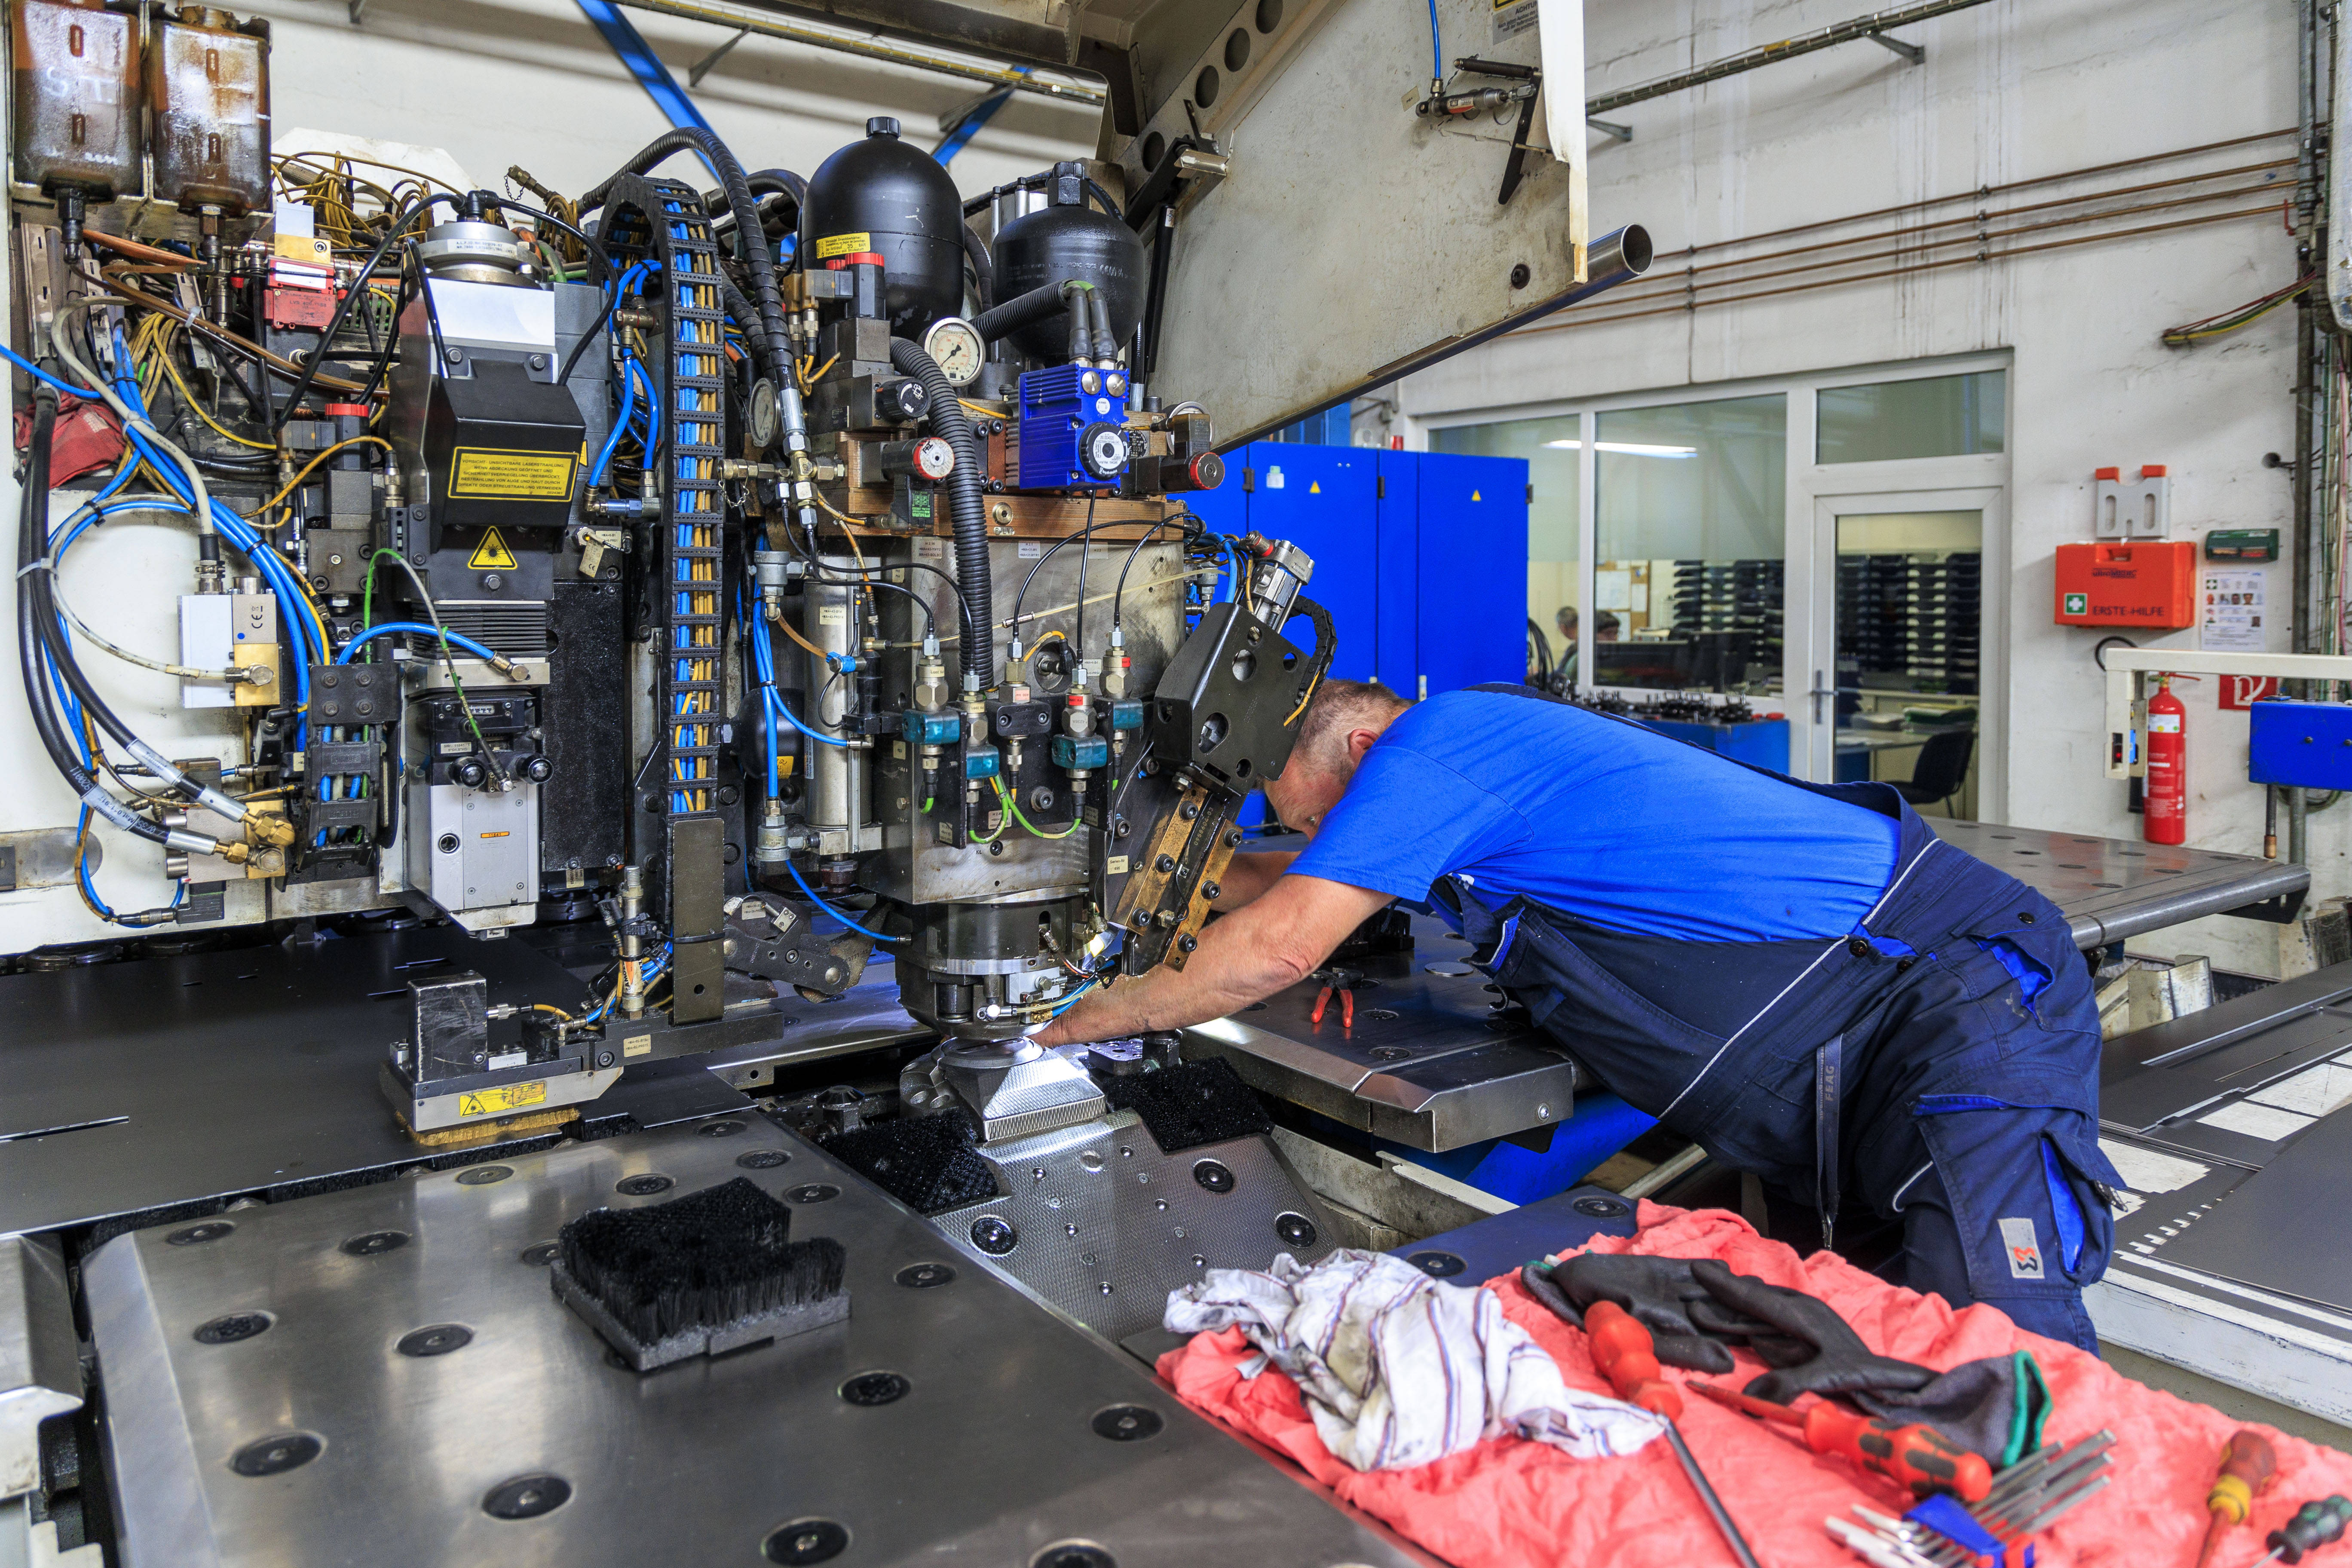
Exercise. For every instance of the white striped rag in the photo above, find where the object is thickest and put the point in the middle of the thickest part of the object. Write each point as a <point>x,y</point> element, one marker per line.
<point>1398,1369</point>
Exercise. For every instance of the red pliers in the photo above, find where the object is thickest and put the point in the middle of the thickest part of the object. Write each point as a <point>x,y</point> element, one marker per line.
<point>1343,982</point>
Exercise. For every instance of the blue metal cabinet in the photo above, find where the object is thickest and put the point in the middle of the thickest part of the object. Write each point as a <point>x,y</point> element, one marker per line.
<point>1421,557</point>
<point>1325,499</point>
<point>1472,571</point>
<point>1397,657</point>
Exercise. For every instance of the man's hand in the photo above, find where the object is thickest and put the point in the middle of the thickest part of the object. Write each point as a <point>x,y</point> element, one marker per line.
<point>1279,939</point>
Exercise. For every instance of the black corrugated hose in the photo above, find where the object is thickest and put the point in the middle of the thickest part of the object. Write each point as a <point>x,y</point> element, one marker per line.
<point>983,268</point>
<point>775,361</point>
<point>965,507</point>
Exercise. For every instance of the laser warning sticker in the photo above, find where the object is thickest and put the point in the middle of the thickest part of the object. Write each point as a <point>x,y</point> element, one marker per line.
<point>499,1101</point>
<point>2023,1247</point>
<point>833,245</point>
<point>482,473</point>
<point>491,554</point>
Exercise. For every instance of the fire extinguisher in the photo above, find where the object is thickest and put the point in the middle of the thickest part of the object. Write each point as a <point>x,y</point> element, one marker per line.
<point>2166,817</point>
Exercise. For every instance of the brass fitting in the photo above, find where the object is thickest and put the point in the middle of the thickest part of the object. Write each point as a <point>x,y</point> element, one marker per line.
<point>267,828</point>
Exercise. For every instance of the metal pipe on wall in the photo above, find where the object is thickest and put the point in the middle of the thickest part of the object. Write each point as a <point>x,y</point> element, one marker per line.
<point>1848,32</point>
<point>2310,599</point>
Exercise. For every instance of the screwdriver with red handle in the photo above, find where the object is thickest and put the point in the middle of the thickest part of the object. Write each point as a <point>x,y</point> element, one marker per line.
<point>1622,1349</point>
<point>1918,1456</point>
<point>2248,1464</point>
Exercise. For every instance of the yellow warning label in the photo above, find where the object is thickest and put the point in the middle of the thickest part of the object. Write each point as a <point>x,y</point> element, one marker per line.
<point>499,1101</point>
<point>491,554</point>
<point>1474,495</point>
<point>834,245</point>
<point>484,474</point>
<point>1315,487</point>
<point>637,1045</point>
<point>1115,865</point>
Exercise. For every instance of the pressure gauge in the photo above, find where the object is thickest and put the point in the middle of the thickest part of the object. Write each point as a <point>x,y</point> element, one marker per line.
<point>766,417</point>
<point>956,348</point>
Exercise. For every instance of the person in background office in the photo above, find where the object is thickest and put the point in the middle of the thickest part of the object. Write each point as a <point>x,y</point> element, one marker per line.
<point>1605,629</point>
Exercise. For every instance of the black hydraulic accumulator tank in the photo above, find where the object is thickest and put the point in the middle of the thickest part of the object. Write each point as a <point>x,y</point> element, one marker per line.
<point>1067,239</point>
<point>882,197</point>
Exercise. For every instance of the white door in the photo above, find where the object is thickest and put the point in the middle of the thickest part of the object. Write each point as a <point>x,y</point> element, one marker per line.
<point>1902,652</point>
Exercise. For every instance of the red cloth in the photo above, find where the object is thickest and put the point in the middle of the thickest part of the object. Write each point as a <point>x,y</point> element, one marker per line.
<point>1508,1503</point>
<point>87,438</point>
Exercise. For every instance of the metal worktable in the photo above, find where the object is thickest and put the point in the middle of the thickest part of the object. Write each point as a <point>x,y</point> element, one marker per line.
<point>420,1395</point>
<point>185,1082</point>
<point>1432,1064</point>
<point>2116,888</point>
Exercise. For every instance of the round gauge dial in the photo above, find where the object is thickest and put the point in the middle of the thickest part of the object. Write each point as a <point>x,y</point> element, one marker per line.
<point>766,416</point>
<point>957,349</point>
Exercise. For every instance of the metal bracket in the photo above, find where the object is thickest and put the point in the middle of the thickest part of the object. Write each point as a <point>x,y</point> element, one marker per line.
<point>1611,128</point>
<point>358,11</point>
<point>1911,52</point>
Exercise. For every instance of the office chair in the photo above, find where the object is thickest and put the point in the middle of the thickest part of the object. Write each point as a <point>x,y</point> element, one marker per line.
<point>1942,768</point>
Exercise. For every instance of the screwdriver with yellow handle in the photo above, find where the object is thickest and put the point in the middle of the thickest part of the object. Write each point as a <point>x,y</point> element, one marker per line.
<point>2248,1464</point>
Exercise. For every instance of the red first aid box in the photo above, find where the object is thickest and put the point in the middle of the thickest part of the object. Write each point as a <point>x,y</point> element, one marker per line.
<point>2147,582</point>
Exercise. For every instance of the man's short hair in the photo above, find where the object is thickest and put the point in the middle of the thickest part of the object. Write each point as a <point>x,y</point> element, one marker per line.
<point>1338,707</point>
<point>1565,619</point>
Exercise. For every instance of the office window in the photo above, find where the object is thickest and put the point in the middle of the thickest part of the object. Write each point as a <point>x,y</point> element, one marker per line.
<point>1690,539</point>
<point>1939,417</point>
<point>1555,584</point>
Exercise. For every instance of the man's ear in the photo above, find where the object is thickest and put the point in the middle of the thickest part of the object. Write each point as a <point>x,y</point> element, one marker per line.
<point>1359,742</point>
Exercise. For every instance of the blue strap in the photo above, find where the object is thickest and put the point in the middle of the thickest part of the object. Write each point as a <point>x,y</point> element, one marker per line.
<point>630,47</point>
<point>2066,1210</point>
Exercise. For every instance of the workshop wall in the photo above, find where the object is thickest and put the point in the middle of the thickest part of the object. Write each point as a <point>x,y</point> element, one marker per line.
<point>482,79</point>
<point>2008,90</point>
<point>487,81</point>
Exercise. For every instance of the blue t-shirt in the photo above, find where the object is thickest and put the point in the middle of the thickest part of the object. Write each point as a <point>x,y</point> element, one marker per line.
<point>1601,820</point>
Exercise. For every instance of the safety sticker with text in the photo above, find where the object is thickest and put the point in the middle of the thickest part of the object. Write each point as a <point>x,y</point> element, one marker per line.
<point>482,473</point>
<point>499,1101</point>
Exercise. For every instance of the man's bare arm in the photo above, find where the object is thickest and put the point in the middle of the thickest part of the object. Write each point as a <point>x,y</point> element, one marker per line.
<point>1278,939</point>
<point>1248,877</point>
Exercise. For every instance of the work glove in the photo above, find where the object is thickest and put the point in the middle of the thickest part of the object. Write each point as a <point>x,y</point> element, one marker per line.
<point>1996,1406</point>
<point>1813,1350</point>
<point>1687,1326</point>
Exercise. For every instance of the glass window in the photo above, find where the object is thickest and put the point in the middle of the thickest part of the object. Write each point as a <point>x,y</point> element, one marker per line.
<point>1555,585</point>
<point>1940,416</point>
<point>1909,603</point>
<point>1687,589</point>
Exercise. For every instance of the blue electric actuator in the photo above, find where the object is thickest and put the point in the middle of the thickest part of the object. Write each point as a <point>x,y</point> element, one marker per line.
<point>1073,427</point>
